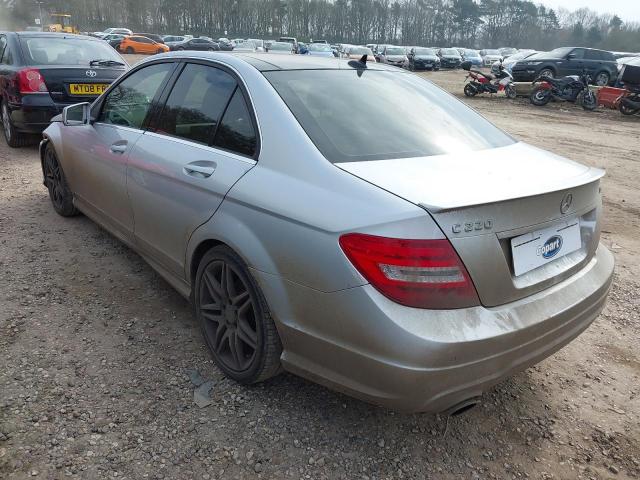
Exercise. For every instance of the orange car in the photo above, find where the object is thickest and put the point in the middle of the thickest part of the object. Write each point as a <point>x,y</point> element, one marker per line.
<point>138,44</point>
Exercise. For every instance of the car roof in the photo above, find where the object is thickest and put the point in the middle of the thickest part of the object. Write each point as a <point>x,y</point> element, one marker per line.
<point>264,62</point>
<point>53,34</point>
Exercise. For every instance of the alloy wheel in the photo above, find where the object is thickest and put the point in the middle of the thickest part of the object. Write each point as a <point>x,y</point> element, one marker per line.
<point>547,72</point>
<point>228,311</point>
<point>602,79</point>
<point>53,178</point>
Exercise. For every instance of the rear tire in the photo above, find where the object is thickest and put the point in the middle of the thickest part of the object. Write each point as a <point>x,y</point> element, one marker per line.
<point>14,138</point>
<point>540,96</point>
<point>470,90</point>
<point>510,91</point>
<point>235,318</point>
<point>55,181</point>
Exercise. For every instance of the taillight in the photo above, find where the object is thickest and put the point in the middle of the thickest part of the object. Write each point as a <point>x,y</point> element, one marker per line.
<point>416,273</point>
<point>30,81</point>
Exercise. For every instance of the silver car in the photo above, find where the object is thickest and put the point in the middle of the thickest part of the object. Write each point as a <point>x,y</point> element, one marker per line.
<point>413,268</point>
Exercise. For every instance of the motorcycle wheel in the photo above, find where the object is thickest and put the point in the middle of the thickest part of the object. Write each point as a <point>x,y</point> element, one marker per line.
<point>470,90</point>
<point>540,96</point>
<point>626,109</point>
<point>510,91</point>
<point>588,100</point>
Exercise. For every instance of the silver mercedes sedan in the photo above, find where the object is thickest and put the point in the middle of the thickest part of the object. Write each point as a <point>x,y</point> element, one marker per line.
<point>404,251</point>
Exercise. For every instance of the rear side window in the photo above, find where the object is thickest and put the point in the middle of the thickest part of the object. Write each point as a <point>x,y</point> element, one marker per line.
<point>593,55</point>
<point>196,103</point>
<point>374,115</point>
<point>236,132</point>
<point>129,102</point>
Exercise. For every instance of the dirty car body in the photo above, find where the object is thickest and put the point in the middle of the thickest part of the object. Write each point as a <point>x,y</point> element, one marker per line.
<point>414,269</point>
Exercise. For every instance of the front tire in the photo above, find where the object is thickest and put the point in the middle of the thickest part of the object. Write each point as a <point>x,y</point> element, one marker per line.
<point>540,96</point>
<point>129,50</point>
<point>510,91</point>
<point>55,181</point>
<point>626,109</point>
<point>588,100</point>
<point>235,319</point>
<point>547,72</point>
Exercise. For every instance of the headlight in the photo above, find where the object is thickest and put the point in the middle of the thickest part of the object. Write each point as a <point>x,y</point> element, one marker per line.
<point>533,63</point>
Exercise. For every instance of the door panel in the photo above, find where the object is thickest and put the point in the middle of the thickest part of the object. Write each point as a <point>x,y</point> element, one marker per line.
<point>174,186</point>
<point>97,156</point>
<point>176,179</point>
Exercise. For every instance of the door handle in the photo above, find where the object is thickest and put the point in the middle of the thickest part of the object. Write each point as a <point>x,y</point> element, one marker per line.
<point>201,169</point>
<point>119,147</point>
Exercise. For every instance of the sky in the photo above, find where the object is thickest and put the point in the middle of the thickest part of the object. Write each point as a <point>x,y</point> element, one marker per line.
<point>628,10</point>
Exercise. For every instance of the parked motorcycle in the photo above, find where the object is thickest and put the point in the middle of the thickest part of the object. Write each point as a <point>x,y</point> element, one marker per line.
<point>573,89</point>
<point>497,81</point>
<point>629,101</point>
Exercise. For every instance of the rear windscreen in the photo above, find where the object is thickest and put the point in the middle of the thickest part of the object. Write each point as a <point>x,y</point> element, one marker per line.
<point>361,115</point>
<point>65,50</point>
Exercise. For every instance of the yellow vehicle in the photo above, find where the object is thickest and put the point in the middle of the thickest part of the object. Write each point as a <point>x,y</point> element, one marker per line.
<point>61,22</point>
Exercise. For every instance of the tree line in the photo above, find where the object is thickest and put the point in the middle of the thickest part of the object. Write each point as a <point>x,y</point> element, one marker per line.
<point>466,23</point>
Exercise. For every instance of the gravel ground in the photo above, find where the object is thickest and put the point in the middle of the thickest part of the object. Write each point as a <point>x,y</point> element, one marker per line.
<point>100,359</point>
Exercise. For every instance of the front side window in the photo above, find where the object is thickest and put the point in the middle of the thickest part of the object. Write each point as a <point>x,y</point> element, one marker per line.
<point>129,102</point>
<point>577,54</point>
<point>411,117</point>
<point>236,132</point>
<point>196,103</point>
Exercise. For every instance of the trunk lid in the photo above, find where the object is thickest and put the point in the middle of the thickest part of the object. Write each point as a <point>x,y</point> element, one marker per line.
<point>483,199</point>
<point>60,78</point>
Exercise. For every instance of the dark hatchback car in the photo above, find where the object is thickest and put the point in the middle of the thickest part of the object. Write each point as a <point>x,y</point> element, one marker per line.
<point>599,64</point>
<point>449,58</point>
<point>41,73</point>
<point>420,58</point>
<point>201,44</point>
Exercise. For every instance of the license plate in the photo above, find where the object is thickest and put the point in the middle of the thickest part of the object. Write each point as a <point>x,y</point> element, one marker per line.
<point>87,88</point>
<point>534,249</point>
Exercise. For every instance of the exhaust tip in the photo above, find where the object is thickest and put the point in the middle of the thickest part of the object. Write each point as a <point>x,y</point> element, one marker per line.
<point>461,407</point>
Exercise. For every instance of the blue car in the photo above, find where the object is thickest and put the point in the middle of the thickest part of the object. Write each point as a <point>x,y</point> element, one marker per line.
<point>319,50</point>
<point>472,56</point>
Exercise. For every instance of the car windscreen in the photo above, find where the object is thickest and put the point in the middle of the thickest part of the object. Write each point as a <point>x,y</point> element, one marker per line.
<point>450,51</point>
<point>360,51</point>
<point>556,53</point>
<point>424,51</point>
<point>280,46</point>
<point>492,52</point>
<point>319,47</point>
<point>471,53</point>
<point>410,116</point>
<point>65,51</point>
<point>395,51</point>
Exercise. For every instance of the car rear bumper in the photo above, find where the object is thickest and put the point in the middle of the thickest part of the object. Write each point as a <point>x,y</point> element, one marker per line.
<point>359,342</point>
<point>35,112</point>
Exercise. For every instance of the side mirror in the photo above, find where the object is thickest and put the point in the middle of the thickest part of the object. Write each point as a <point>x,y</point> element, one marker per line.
<point>78,114</point>
<point>571,56</point>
